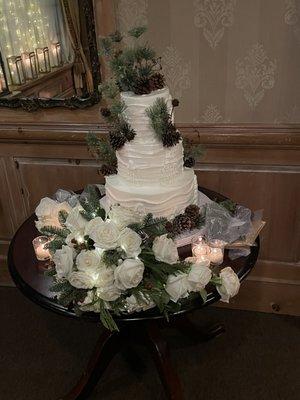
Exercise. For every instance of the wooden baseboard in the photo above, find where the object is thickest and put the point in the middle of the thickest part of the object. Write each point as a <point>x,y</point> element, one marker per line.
<point>270,297</point>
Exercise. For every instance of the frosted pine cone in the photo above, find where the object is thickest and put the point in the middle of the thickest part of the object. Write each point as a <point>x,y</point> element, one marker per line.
<point>192,211</point>
<point>142,86</point>
<point>157,81</point>
<point>108,170</point>
<point>117,140</point>
<point>189,162</point>
<point>172,136</point>
<point>182,223</point>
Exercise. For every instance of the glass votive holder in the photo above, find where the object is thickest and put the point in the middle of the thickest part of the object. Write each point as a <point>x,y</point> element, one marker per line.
<point>200,249</point>
<point>42,253</point>
<point>216,251</point>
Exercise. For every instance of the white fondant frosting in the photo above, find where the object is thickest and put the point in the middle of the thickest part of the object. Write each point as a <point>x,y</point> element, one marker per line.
<point>150,177</point>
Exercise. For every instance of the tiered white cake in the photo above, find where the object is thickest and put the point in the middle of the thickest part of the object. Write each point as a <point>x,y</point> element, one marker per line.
<point>151,178</point>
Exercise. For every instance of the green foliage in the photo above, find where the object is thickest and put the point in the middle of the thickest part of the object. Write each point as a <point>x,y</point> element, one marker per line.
<point>62,217</point>
<point>67,294</point>
<point>229,205</point>
<point>54,231</point>
<point>55,244</point>
<point>90,202</point>
<point>158,270</point>
<point>216,280</point>
<point>60,287</point>
<point>150,226</point>
<point>159,116</point>
<point>203,294</point>
<point>50,272</point>
<point>101,149</point>
<point>192,149</point>
<point>116,37</point>
<point>106,318</point>
<point>109,89</point>
<point>137,31</point>
<point>111,257</point>
<point>105,46</point>
<point>133,67</point>
<point>116,110</point>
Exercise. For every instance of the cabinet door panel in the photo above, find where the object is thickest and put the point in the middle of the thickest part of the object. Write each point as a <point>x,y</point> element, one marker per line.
<point>42,177</point>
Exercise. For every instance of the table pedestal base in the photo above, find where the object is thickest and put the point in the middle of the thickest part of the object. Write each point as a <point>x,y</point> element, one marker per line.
<point>147,333</point>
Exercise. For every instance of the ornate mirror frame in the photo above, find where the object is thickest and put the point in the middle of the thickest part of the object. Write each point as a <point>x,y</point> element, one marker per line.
<point>74,102</point>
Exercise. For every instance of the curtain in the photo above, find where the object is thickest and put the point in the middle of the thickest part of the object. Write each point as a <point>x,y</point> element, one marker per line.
<point>28,24</point>
<point>81,66</point>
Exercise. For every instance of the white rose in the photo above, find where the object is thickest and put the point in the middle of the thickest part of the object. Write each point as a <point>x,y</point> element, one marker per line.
<point>136,305</point>
<point>130,242</point>
<point>108,293</point>
<point>199,276</point>
<point>177,286</point>
<point>87,303</point>
<point>63,260</point>
<point>105,235</point>
<point>165,249</point>
<point>82,280</point>
<point>106,289</point>
<point>123,216</point>
<point>75,221</point>
<point>88,260</point>
<point>129,274</point>
<point>230,284</point>
<point>92,224</point>
<point>47,212</point>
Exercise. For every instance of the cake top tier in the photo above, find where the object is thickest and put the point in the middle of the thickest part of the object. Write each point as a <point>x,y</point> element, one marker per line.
<point>135,112</point>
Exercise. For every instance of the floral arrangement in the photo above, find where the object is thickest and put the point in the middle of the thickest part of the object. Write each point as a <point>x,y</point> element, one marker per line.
<point>121,261</point>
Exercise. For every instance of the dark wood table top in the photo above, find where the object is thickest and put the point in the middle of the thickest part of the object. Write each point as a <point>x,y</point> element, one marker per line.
<point>28,274</point>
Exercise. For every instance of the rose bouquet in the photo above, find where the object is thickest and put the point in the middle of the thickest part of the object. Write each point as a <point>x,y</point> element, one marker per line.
<point>121,261</point>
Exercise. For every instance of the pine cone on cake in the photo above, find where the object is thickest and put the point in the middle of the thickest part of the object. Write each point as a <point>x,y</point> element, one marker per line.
<point>117,140</point>
<point>157,81</point>
<point>127,131</point>
<point>192,211</point>
<point>182,223</point>
<point>142,86</point>
<point>106,113</point>
<point>175,102</point>
<point>171,137</point>
<point>108,170</point>
<point>189,162</point>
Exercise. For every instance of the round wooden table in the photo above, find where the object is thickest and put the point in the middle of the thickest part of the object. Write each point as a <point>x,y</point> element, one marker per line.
<point>145,327</point>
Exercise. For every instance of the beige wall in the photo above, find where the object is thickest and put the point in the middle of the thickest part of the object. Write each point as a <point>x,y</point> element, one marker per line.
<point>228,61</point>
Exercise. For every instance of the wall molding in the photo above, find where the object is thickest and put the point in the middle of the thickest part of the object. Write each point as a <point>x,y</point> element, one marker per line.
<point>285,136</point>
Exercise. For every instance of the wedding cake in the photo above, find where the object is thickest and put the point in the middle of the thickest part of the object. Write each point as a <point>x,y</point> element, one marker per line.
<point>151,178</point>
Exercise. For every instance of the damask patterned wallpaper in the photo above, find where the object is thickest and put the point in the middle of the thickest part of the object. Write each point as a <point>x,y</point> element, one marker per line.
<point>228,61</point>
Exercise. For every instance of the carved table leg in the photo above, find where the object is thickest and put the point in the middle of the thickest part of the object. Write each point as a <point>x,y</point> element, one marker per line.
<point>106,348</point>
<point>196,333</point>
<point>161,355</point>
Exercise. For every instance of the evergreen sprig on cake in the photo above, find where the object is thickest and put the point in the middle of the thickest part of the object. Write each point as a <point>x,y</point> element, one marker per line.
<point>161,122</point>
<point>135,68</point>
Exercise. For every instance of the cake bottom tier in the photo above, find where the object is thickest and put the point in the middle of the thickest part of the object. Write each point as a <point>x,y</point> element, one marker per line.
<point>161,201</point>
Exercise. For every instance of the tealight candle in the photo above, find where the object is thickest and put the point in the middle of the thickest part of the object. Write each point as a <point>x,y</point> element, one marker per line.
<point>42,254</point>
<point>200,249</point>
<point>216,251</point>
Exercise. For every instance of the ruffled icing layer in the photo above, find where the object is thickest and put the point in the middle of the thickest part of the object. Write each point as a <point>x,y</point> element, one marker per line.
<point>145,160</point>
<point>166,201</point>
